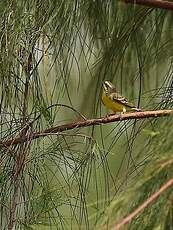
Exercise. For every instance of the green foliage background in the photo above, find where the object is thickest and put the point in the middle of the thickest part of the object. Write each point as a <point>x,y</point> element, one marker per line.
<point>85,178</point>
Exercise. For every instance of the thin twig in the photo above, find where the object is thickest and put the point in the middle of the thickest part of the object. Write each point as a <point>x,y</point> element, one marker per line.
<point>89,122</point>
<point>153,3</point>
<point>21,154</point>
<point>141,208</point>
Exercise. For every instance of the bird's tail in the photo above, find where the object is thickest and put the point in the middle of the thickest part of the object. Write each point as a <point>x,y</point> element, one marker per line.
<point>136,109</point>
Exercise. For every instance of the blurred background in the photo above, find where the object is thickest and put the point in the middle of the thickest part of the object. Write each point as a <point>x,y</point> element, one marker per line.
<point>55,56</point>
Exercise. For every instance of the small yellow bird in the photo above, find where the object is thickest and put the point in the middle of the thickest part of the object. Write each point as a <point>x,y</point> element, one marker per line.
<point>114,101</point>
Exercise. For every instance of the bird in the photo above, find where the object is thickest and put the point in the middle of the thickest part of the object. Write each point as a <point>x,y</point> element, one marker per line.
<point>114,101</point>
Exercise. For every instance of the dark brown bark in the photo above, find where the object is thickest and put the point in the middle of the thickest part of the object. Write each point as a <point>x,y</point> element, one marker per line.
<point>85,123</point>
<point>153,3</point>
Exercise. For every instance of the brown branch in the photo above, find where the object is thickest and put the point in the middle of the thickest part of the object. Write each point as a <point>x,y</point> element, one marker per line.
<point>153,3</point>
<point>89,122</point>
<point>141,208</point>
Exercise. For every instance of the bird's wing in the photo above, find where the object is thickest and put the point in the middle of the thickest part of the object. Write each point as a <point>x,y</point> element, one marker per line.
<point>120,99</point>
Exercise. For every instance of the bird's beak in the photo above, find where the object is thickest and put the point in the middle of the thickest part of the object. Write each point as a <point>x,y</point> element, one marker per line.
<point>109,86</point>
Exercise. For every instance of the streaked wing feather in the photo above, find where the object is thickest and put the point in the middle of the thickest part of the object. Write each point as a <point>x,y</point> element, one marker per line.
<point>118,98</point>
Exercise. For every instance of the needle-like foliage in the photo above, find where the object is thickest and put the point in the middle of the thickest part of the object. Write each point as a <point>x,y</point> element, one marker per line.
<point>54,57</point>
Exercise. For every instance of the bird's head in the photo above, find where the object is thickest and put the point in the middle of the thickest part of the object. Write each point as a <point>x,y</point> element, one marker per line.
<point>108,87</point>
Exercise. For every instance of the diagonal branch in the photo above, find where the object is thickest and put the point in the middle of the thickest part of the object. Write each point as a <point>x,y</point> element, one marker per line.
<point>141,208</point>
<point>85,123</point>
<point>153,3</point>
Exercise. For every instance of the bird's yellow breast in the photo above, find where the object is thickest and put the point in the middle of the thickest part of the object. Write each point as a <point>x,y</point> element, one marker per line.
<point>115,106</point>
